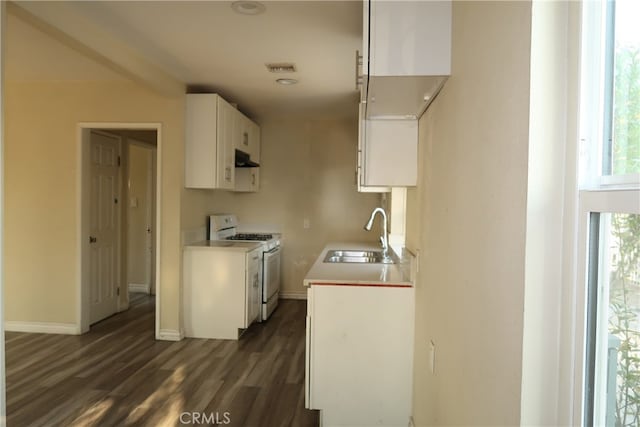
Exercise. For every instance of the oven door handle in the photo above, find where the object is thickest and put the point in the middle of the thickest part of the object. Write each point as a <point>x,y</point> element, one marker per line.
<point>273,251</point>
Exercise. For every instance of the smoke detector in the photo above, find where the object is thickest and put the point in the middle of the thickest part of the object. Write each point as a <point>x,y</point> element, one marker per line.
<point>282,67</point>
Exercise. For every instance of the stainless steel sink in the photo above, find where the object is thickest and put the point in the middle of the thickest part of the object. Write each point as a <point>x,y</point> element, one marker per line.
<point>353,256</point>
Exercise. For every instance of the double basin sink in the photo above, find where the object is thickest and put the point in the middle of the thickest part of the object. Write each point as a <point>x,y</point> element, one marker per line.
<point>356,256</point>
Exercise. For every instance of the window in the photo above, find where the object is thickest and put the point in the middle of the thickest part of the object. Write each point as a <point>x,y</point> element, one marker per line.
<point>613,323</point>
<point>610,92</point>
<point>609,223</point>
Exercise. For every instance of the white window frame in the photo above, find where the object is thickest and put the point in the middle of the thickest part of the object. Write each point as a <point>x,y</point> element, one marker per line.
<point>598,193</point>
<point>594,103</point>
<point>592,201</point>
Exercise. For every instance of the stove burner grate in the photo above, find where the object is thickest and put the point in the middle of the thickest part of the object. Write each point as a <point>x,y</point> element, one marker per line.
<point>251,236</point>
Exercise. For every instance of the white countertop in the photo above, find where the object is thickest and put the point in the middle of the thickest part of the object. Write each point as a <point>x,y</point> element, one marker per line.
<point>354,274</point>
<point>227,245</point>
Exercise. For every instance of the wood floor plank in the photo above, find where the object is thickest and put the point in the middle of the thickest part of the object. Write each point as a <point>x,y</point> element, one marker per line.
<point>118,374</point>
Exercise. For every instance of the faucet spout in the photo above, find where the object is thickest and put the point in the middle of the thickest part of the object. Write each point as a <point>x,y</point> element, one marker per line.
<point>384,239</point>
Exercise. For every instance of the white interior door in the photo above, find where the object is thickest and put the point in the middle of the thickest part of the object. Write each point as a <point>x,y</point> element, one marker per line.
<point>104,231</point>
<point>140,217</point>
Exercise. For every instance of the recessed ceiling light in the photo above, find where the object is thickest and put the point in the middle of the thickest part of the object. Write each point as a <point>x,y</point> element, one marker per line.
<point>248,7</point>
<point>287,81</point>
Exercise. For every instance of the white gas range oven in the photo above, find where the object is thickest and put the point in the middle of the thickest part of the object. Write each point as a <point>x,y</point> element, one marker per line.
<point>225,227</point>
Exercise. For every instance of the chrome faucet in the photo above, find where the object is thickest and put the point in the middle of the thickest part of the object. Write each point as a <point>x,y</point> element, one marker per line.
<point>384,239</point>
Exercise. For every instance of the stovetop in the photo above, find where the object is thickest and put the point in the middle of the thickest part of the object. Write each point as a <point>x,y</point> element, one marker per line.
<point>251,236</point>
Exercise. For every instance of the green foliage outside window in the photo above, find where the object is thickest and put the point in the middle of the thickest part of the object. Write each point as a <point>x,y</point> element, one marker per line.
<point>624,298</point>
<point>626,125</point>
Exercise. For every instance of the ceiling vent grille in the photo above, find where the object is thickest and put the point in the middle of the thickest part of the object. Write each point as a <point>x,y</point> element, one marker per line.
<point>284,67</point>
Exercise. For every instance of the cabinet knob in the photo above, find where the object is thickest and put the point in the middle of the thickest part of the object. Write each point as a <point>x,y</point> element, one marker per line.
<point>92,239</point>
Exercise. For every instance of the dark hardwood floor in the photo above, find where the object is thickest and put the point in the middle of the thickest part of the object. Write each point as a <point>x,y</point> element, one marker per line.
<point>118,374</point>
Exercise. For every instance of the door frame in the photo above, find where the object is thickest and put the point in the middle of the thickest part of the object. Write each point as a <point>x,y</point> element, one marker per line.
<point>82,274</point>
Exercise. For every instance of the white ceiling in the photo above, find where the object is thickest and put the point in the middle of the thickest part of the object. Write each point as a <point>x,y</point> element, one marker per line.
<point>209,47</point>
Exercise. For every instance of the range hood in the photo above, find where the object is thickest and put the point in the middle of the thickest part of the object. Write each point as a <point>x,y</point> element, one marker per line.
<point>244,161</point>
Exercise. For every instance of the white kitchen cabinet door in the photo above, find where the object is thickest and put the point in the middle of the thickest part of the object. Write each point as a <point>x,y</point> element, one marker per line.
<point>254,280</point>
<point>214,293</point>
<point>254,141</point>
<point>241,133</point>
<point>209,151</point>
<point>247,180</point>
<point>247,137</point>
<point>409,38</point>
<point>226,149</point>
<point>360,354</point>
<point>387,154</point>
<point>361,171</point>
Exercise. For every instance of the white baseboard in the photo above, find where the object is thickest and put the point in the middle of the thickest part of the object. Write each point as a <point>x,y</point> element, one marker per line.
<point>42,327</point>
<point>170,335</point>
<point>139,287</point>
<point>293,295</point>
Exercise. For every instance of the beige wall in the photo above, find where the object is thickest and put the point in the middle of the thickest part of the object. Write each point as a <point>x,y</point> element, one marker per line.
<point>139,208</point>
<point>41,179</point>
<point>307,171</point>
<point>467,217</point>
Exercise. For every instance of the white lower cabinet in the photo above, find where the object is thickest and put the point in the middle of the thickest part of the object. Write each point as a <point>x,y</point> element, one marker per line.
<point>221,291</point>
<point>359,354</point>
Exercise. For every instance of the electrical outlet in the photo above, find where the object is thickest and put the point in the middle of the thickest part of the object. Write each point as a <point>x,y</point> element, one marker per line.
<point>306,224</point>
<point>432,356</point>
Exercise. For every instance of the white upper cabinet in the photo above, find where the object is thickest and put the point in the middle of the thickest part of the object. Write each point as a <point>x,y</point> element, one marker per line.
<point>209,151</point>
<point>248,178</point>
<point>406,56</point>
<point>214,131</point>
<point>254,141</point>
<point>387,154</point>
<point>248,137</point>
